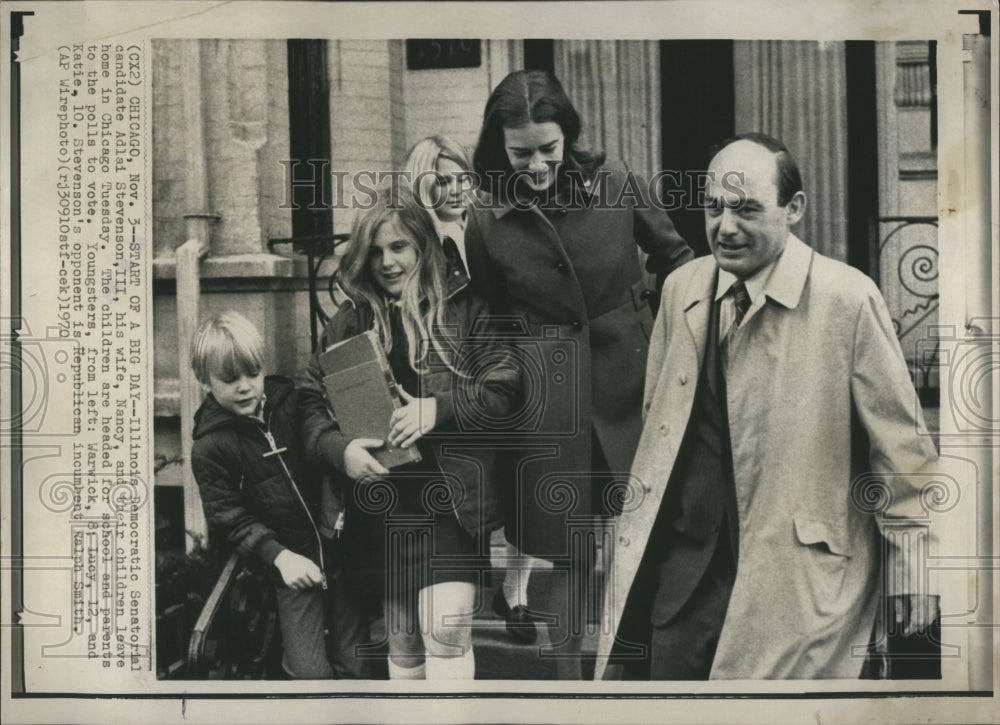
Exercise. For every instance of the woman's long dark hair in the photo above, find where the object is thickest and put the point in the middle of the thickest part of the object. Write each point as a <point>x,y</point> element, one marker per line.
<point>527,96</point>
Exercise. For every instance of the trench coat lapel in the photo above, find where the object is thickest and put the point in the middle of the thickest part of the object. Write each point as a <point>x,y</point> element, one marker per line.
<point>693,301</point>
<point>697,303</point>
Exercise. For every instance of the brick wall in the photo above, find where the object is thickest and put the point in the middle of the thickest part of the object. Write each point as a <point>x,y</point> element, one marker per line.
<point>378,109</point>
<point>451,102</point>
<point>364,77</point>
<point>448,102</point>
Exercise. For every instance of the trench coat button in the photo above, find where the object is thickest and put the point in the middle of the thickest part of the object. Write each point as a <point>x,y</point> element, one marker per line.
<point>683,379</point>
<point>577,325</point>
<point>646,488</point>
<point>559,266</point>
<point>648,405</point>
<point>664,429</point>
<point>623,540</point>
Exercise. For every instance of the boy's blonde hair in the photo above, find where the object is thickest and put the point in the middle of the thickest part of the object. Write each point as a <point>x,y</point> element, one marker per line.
<point>226,346</point>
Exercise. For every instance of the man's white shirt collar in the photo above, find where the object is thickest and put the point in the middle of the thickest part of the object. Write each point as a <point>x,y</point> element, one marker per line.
<point>756,285</point>
<point>782,280</point>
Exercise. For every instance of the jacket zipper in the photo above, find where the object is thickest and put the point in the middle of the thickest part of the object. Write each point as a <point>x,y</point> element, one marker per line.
<point>277,451</point>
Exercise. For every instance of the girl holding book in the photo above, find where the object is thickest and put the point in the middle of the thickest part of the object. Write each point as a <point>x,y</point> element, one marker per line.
<point>421,529</point>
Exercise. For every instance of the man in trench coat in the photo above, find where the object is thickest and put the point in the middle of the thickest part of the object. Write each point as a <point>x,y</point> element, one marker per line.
<point>773,568</point>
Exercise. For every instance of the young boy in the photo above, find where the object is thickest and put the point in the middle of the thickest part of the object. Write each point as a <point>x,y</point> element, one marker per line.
<point>256,491</point>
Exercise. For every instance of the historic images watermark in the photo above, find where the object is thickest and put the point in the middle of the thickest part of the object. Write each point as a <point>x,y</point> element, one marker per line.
<point>666,190</point>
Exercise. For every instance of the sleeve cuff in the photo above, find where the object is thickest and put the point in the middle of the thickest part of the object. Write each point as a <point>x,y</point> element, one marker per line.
<point>267,550</point>
<point>444,416</point>
<point>331,448</point>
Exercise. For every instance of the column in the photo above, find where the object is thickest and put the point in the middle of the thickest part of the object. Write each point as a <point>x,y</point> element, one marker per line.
<point>796,91</point>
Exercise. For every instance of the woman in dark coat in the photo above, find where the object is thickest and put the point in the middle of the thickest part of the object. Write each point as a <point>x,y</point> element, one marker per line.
<point>556,248</point>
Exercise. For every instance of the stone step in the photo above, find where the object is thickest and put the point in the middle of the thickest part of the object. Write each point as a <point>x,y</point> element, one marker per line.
<point>498,657</point>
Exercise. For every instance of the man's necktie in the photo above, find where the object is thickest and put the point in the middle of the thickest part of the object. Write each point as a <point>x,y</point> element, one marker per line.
<point>742,299</point>
<point>741,303</point>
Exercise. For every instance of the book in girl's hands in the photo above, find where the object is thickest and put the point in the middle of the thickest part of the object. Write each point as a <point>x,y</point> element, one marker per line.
<point>363,394</point>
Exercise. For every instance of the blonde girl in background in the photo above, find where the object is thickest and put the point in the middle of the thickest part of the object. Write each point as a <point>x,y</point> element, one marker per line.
<point>441,176</point>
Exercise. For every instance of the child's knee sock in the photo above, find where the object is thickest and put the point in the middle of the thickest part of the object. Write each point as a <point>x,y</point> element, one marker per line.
<point>398,672</point>
<point>515,581</point>
<point>452,668</point>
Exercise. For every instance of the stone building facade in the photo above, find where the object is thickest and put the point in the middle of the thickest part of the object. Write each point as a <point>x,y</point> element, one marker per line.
<point>237,91</point>
<point>224,121</point>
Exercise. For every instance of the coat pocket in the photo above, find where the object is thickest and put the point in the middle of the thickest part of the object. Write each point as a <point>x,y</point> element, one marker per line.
<point>825,554</point>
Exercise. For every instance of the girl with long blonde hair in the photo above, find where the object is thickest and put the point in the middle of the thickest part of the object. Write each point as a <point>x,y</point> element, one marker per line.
<point>441,177</point>
<point>419,534</point>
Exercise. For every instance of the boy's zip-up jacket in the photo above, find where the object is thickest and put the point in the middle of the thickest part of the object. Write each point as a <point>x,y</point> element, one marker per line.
<point>256,487</point>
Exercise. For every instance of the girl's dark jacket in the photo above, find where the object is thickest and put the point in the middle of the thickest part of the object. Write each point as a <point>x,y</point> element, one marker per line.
<point>261,503</point>
<point>493,391</point>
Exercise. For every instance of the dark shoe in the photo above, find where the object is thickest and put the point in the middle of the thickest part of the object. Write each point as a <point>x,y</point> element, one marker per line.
<point>519,622</point>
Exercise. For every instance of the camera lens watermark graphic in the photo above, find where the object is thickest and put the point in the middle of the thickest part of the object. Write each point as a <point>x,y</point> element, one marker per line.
<point>374,495</point>
<point>60,493</point>
<point>500,360</point>
<point>49,370</point>
<point>557,495</point>
<point>874,493</point>
<point>972,370</point>
<point>967,363</point>
<point>438,497</point>
<point>33,385</point>
<point>472,403</point>
<point>623,494</point>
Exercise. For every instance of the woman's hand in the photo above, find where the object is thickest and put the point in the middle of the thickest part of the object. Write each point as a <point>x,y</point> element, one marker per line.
<point>413,420</point>
<point>358,462</point>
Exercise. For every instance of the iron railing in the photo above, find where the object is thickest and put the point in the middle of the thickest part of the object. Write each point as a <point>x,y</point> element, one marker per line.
<point>318,250</point>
